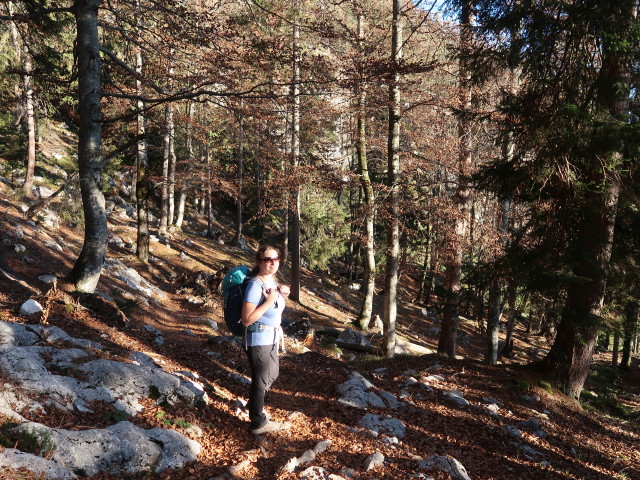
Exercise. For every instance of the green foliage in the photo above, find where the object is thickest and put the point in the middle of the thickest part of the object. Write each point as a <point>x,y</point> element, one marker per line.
<point>329,343</point>
<point>522,385</point>
<point>326,229</point>
<point>603,396</point>
<point>116,416</point>
<point>177,422</point>
<point>546,386</point>
<point>38,442</point>
<point>13,141</point>
<point>371,358</point>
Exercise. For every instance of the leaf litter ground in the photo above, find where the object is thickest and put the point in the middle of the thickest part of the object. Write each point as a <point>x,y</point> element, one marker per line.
<point>579,444</point>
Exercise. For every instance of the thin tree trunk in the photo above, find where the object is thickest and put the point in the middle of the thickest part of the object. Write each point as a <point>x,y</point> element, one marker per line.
<point>184,185</point>
<point>424,279</point>
<point>240,163</point>
<point>31,122</point>
<point>259,200</point>
<point>455,242</point>
<point>142,186</point>
<point>15,39</point>
<point>493,324</point>
<point>393,173</point>
<point>88,267</point>
<point>209,201</point>
<point>286,168</point>
<point>433,267</point>
<point>495,290</point>
<point>366,309</point>
<point>166,157</point>
<point>616,348</point>
<point>507,348</point>
<point>630,329</point>
<point>295,162</point>
<point>172,180</point>
<point>24,54</point>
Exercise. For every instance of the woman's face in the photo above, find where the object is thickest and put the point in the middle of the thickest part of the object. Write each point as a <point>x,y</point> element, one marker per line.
<point>269,262</point>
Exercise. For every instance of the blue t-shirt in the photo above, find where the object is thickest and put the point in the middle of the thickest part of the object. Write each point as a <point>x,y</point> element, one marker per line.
<point>271,318</point>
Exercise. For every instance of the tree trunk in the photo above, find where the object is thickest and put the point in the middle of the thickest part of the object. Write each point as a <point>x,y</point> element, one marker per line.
<point>31,120</point>
<point>25,103</point>
<point>493,324</point>
<point>426,273</point>
<point>455,242</point>
<point>393,173</point>
<point>369,283</point>
<point>294,246</point>
<point>166,157</point>
<point>286,167</point>
<point>88,267</point>
<point>630,329</point>
<point>240,162</point>
<point>569,359</point>
<point>495,289</point>
<point>616,349</point>
<point>17,46</point>
<point>142,186</point>
<point>208,191</point>
<point>184,185</point>
<point>507,348</point>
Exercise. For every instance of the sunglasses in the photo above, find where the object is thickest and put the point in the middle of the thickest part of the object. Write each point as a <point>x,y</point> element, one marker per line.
<point>270,259</point>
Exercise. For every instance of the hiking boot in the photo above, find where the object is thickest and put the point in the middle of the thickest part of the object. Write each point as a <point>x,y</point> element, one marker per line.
<point>268,428</point>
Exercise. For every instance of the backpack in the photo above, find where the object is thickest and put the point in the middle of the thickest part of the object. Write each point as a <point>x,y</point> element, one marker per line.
<point>234,285</point>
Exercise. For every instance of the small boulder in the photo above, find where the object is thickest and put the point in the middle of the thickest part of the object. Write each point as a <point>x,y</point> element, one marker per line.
<point>373,461</point>
<point>30,307</point>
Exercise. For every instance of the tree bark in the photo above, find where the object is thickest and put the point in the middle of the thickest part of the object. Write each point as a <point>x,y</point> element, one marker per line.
<point>369,283</point>
<point>615,354</point>
<point>569,359</point>
<point>208,193</point>
<point>495,291</point>
<point>455,238</point>
<point>240,163</point>
<point>166,157</point>
<point>142,185</point>
<point>15,38</point>
<point>426,273</point>
<point>393,173</point>
<point>30,163</point>
<point>630,330</point>
<point>294,246</point>
<point>493,324</point>
<point>184,185</point>
<point>88,267</point>
<point>25,102</point>
<point>511,312</point>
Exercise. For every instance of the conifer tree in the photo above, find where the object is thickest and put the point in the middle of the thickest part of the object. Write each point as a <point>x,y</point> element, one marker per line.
<point>572,130</point>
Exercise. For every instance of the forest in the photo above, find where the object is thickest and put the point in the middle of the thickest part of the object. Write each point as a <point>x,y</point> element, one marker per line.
<point>484,151</point>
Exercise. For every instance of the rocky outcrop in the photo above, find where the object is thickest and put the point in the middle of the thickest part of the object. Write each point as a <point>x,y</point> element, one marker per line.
<point>63,373</point>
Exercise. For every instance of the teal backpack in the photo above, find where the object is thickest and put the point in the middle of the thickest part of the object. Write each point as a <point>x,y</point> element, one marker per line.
<point>234,285</point>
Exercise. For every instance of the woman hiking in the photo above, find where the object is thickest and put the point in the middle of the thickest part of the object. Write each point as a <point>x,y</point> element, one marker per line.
<point>262,309</point>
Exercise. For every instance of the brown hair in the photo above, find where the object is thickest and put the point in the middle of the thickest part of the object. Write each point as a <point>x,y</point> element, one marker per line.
<point>259,253</point>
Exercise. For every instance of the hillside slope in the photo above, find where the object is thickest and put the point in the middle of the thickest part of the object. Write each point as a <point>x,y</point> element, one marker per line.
<point>487,425</point>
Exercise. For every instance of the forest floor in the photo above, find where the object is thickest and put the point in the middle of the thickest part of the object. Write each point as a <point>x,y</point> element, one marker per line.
<point>581,443</point>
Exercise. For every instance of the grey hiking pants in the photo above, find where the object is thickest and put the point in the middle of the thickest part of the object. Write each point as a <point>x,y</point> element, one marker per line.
<point>265,368</point>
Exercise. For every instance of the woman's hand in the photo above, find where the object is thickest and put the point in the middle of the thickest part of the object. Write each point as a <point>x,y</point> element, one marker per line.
<point>285,291</point>
<point>271,295</point>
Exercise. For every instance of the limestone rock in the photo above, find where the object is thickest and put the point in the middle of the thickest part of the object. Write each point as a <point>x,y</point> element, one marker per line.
<point>30,307</point>
<point>383,424</point>
<point>446,464</point>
